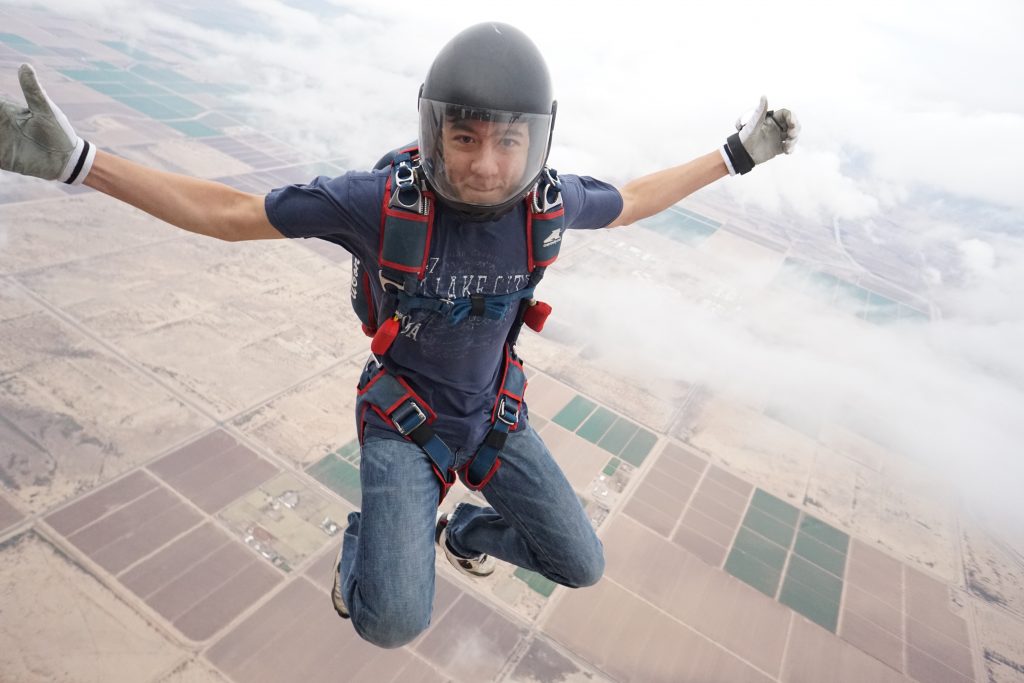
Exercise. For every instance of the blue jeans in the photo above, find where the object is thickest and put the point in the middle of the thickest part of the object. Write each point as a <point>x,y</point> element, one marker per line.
<point>534,521</point>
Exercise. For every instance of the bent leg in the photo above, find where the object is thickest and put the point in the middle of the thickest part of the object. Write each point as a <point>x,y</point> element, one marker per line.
<point>387,564</point>
<point>535,520</point>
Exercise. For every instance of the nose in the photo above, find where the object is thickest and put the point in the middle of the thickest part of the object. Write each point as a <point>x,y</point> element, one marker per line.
<point>485,161</point>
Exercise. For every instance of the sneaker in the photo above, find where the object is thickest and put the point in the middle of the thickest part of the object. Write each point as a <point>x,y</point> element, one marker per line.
<point>477,567</point>
<point>339,602</point>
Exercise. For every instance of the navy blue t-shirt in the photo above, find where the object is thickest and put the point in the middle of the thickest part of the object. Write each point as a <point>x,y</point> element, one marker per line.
<point>454,368</point>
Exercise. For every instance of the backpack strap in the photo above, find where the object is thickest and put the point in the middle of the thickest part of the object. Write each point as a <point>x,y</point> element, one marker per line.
<point>407,220</point>
<point>545,223</point>
<point>398,247</point>
<point>407,223</point>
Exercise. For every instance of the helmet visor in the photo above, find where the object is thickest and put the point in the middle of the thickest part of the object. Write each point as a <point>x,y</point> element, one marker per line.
<point>481,157</point>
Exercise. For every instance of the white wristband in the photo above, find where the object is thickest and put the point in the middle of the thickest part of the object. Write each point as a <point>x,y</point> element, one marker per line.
<point>79,163</point>
<point>728,162</point>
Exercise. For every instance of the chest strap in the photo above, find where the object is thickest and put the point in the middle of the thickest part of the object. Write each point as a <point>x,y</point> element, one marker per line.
<point>456,310</point>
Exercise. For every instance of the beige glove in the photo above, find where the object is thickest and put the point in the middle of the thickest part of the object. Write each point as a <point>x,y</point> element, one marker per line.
<point>764,135</point>
<point>39,141</point>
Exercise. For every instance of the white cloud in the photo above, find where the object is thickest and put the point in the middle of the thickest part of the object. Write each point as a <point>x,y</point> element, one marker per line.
<point>813,186</point>
<point>949,394</point>
<point>978,257</point>
<point>921,90</point>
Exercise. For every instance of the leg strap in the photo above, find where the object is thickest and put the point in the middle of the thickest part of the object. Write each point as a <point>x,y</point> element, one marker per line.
<point>394,401</point>
<point>504,418</point>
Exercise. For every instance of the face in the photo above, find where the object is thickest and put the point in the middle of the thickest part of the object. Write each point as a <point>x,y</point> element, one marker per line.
<point>485,160</point>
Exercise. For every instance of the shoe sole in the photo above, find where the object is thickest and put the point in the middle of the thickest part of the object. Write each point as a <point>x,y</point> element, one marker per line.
<point>466,568</point>
<point>441,537</point>
<point>336,599</point>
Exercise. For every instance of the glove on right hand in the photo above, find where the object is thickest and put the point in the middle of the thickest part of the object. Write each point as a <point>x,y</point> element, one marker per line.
<point>39,141</point>
<point>764,135</point>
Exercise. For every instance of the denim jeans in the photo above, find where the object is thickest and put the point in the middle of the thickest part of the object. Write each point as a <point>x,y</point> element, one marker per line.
<point>535,521</point>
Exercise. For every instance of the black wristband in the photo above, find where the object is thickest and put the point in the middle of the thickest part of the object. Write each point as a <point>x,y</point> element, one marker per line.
<point>741,161</point>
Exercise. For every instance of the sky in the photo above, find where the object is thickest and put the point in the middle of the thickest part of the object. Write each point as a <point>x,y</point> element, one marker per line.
<point>912,120</point>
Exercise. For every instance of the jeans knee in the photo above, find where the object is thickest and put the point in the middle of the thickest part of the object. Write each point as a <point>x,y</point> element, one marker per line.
<point>593,572</point>
<point>587,573</point>
<point>390,633</point>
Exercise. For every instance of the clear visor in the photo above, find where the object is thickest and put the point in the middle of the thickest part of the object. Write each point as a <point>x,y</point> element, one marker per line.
<point>481,157</point>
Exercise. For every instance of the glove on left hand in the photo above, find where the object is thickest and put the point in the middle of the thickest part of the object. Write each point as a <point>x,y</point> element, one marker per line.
<point>761,137</point>
<point>39,141</point>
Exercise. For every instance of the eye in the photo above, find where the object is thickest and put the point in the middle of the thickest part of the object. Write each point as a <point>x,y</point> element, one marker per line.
<point>510,142</point>
<point>463,139</point>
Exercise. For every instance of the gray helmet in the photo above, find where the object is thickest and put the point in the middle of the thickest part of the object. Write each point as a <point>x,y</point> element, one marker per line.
<point>486,116</point>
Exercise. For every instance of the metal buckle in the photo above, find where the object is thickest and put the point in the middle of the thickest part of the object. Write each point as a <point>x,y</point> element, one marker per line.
<point>501,414</point>
<point>385,281</point>
<point>407,193</point>
<point>416,412</point>
<point>408,197</point>
<point>551,175</point>
<point>547,202</point>
<point>404,174</point>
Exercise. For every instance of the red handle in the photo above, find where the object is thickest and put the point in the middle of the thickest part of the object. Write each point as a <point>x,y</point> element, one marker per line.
<point>385,336</point>
<point>536,315</point>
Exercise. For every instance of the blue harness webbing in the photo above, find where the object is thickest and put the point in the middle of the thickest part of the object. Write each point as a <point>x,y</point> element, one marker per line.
<point>457,310</point>
<point>394,401</point>
<point>406,230</point>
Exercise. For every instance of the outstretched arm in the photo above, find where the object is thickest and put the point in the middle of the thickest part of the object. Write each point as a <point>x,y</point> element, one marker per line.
<point>38,140</point>
<point>651,194</point>
<point>200,206</point>
<point>760,138</point>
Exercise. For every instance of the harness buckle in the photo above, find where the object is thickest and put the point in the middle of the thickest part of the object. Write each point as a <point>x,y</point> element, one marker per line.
<point>508,417</point>
<point>412,418</point>
<point>547,193</point>
<point>404,174</point>
<point>385,281</point>
<point>408,194</point>
<point>408,198</point>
